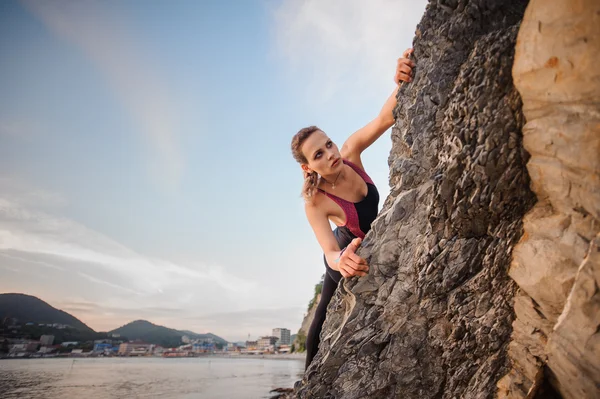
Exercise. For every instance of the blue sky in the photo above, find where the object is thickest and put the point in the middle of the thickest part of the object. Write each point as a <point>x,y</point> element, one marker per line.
<point>145,168</point>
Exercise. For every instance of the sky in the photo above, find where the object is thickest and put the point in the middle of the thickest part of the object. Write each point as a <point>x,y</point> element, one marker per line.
<point>145,163</point>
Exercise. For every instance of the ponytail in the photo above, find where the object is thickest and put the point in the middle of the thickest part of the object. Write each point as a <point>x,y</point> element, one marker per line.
<point>311,182</point>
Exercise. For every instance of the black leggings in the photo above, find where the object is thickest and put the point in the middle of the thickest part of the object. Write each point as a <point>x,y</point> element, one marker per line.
<point>330,283</point>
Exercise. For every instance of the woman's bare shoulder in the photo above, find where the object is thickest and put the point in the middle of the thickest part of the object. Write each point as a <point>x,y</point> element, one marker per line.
<point>352,156</point>
<point>316,202</point>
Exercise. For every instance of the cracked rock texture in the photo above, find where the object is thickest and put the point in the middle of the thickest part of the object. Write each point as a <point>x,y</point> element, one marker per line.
<point>556,333</point>
<point>439,316</point>
<point>433,318</point>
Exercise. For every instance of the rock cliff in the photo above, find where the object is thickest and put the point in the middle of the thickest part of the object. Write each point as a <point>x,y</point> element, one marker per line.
<point>556,334</point>
<point>436,314</point>
<point>300,340</point>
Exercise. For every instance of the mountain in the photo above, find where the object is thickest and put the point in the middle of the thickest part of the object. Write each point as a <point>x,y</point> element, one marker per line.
<point>27,308</point>
<point>154,334</point>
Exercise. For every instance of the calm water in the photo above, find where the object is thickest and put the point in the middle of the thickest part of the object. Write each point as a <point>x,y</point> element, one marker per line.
<point>205,378</point>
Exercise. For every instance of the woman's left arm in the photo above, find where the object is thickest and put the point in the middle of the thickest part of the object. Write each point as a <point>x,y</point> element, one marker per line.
<point>364,137</point>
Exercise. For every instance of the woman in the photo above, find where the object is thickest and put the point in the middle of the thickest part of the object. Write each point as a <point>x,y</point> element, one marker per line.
<point>337,188</point>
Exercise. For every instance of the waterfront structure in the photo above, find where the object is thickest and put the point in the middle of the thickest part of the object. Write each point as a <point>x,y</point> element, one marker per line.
<point>24,347</point>
<point>102,347</point>
<point>127,347</point>
<point>203,347</point>
<point>47,340</point>
<point>251,345</point>
<point>267,342</point>
<point>283,334</point>
<point>48,349</point>
<point>140,351</point>
<point>233,347</point>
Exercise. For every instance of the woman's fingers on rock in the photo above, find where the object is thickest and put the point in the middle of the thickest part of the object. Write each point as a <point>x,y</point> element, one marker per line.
<point>405,61</point>
<point>404,68</point>
<point>403,77</point>
<point>356,267</point>
<point>354,257</point>
<point>407,52</point>
<point>403,71</point>
<point>348,271</point>
<point>357,259</point>
<point>353,246</point>
<point>344,272</point>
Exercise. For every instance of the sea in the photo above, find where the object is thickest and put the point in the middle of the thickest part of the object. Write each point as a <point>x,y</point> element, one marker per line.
<point>116,377</point>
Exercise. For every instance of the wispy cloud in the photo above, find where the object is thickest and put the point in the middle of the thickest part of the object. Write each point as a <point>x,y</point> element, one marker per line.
<point>106,40</point>
<point>331,43</point>
<point>26,231</point>
<point>16,190</point>
<point>8,255</point>
<point>101,280</point>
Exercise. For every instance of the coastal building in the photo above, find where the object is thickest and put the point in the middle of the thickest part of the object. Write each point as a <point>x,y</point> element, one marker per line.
<point>203,347</point>
<point>101,347</point>
<point>127,347</point>
<point>77,352</point>
<point>251,345</point>
<point>24,347</point>
<point>69,343</point>
<point>47,340</point>
<point>48,349</point>
<point>234,347</point>
<point>139,351</point>
<point>283,334</point>
<point>267,342</point>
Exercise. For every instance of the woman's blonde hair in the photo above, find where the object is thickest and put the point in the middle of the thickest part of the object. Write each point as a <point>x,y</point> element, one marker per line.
<point>311,180</point>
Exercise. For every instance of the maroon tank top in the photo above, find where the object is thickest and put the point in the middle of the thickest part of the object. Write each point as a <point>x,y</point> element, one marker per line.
<point>359,215</point>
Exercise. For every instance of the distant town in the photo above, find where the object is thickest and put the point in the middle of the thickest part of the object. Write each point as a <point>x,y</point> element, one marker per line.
<point>18,341</point>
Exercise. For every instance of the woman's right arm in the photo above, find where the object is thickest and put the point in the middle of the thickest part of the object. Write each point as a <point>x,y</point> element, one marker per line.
<point>347,262</point>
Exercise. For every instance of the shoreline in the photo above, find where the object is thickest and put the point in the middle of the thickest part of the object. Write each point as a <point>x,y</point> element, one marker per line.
<point>288,356</point>
<point>272,356</point>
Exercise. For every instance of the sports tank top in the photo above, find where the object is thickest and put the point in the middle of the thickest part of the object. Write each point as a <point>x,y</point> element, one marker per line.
<point>359,215</point>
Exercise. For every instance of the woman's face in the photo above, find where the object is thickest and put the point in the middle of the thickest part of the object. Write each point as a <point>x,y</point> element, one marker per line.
<point>322,154</point>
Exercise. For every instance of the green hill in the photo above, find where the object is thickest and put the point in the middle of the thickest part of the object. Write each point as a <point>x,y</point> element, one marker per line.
<point>154,334</point>
<point>27,308</point>
<point>30,312</point>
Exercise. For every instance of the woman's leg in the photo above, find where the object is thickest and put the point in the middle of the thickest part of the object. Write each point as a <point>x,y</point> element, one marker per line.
<point>312,338</point>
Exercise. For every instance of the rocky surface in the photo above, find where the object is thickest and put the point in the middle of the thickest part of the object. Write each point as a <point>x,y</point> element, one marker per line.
<point>439,316</point>
<point>557,264</point>
<point>433,317</point>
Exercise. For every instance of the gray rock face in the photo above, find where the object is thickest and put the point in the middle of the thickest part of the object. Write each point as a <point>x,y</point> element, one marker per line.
<point>433,317</point>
